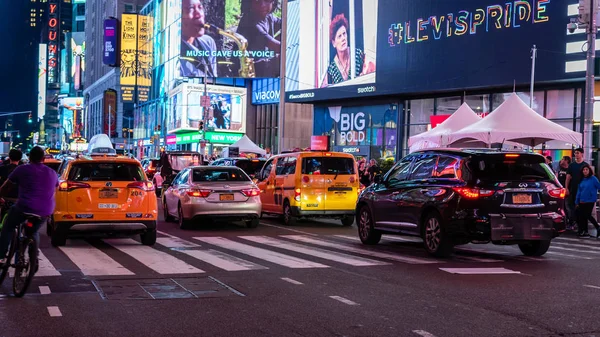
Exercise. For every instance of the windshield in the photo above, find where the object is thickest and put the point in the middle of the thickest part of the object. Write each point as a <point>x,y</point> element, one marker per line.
<point>220,174</point>
<point>327,165</point>
<point>250,166</point>
<point>106,172</point>
<point>180,162</point>
<point>500,167</point>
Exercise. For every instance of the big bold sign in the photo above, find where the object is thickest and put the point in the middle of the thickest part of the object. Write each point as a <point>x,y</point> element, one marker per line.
<point>53,42</point>
<point>110,51</point>
<point>352,127</point>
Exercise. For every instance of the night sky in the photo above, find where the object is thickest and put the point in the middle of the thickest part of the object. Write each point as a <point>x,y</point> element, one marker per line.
<point>18,62</point>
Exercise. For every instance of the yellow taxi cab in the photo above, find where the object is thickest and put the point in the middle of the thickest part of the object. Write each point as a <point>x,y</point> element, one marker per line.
<point>104,194</point>
<point>310,185</point>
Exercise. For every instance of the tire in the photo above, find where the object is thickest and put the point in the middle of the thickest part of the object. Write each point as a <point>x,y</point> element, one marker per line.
<point>252,223</point>
<point>168,217</point>
<point>9,258</point>
<point>148,238</point>
<point>534,248</point>
<point>24,272</point>
<point>288,218</point>
<point>58,239</point>
<point>183,223</point>
<point>347,221</point>
<point>49,227</point>
<point>366,231</point>
<point>435,239</point>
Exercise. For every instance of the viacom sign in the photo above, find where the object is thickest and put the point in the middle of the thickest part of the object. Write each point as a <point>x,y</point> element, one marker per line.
<point>265,91</point>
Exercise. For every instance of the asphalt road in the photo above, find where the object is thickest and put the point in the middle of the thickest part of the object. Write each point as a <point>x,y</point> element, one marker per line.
<point>313,279</point>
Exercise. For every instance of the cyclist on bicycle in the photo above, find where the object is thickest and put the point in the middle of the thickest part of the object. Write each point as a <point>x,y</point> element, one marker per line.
<point>36,184</point>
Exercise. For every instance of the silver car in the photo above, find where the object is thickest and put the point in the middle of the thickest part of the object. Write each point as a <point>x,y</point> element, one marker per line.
<point>224,193</point>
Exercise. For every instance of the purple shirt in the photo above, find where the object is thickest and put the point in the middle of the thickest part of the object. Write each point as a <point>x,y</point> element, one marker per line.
<point>37,184</point>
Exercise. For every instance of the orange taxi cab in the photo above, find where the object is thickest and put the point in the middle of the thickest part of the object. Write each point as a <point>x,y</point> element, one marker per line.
<point>103,194</point>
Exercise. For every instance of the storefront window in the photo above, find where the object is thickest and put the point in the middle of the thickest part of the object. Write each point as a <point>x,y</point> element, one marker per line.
<point>447,105</point>
<point>420,113</point>
<point>538,100</point>
<point>479,103</point>
<point>561,104</point>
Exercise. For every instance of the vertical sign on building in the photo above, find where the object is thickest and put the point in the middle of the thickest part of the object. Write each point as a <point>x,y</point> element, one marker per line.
<point>42,77</point>
<point>53,42</point>
<point>110,112</point>
<point>144,61</point>
<point>111,33</point>
<point>129,40</point>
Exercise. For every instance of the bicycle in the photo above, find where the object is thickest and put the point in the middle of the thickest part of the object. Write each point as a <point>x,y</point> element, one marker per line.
<point>26,262</point>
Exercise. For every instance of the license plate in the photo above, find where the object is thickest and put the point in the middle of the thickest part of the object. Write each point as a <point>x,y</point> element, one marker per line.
<point>108,206</point>
<point>226,197</point>
<point>522,198</point>
<point>109,194</point>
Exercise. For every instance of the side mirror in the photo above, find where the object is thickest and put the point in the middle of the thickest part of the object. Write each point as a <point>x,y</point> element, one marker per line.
<point>377,179</point>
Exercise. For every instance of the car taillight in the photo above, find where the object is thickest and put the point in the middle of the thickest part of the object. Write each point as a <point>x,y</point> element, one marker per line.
<point>147,186</point>
<point>297,194</point>
<point>251,192</point>
<point>473,193</point>
<point>560,193</point>
<point>352,180</point>
<point>151,169</point>
<point>199,193</point>
<point>305,179</point>
<point>68,186</point>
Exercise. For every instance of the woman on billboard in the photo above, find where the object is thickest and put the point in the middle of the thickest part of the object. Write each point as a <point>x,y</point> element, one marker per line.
<point>339,69</point>
<point>262,29</point>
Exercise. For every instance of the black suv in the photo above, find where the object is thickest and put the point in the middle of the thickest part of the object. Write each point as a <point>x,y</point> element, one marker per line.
<point>453,197</point>
<point>250,166</point>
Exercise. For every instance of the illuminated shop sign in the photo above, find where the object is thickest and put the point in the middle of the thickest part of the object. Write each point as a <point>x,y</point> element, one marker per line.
<point>53,41</point>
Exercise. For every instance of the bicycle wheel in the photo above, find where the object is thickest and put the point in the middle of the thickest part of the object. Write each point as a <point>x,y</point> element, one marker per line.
<point>9,257</point>
<point>25,267</point>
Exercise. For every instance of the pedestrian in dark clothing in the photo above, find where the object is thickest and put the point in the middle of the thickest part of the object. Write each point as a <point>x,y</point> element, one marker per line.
<point>14,159</point>
<point>585,201</point>
<point>373,170</point>
<point>573,180</point>
<point>562,172</point>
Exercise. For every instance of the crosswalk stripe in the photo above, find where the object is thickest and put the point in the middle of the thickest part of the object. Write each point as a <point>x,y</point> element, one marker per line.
<point>402,239</point>
<point>154,259</point>
<point>590,240</point>
<point>264,254</point>
<point>218,259</point>
<point>323,254</point>
<point>476,259</point>
<point>383,255</point>
<point>575,245</point>
<point>92,261</point>
<point>568,255</point>
<point>479,271</point>
<point>46,267</point>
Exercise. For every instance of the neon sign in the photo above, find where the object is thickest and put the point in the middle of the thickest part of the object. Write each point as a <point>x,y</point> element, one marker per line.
<point>53,41</point>
<point>512,14</point>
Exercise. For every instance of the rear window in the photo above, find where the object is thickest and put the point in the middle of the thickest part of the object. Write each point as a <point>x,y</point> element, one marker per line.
<point>501,167</point>
<point>327,165</point>
<point>250,166</point>
<point>106,172</point>
<point>209,175</point>
<point>53,166</point>
<point>155,163</point>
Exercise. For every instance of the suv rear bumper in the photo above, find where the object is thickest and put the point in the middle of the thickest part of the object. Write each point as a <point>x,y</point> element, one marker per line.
<point>296,211</point>
<point>104,227</point>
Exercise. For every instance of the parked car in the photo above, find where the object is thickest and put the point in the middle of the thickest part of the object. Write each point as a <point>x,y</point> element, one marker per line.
<point>454,197</point>
<point>201,192</point>
<point>178,160</point>
<point>250,166</point>
<point>150,167</point>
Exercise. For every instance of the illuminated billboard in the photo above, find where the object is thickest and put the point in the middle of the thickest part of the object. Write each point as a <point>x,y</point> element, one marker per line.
<point>71,115</point>
<point>226,111</point>
<point>110,55</point>
<point>129,40</point>
<point>230,38</point>
<point>109,109</point>
<point>53,42</point>
<point>77,55</point>
<point>144,61</point>
<point>42,77</point>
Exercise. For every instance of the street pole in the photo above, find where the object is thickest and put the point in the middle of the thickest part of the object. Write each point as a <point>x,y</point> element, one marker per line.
<point>588,112</point>
<point>533,58</point>
<point>281,119</point>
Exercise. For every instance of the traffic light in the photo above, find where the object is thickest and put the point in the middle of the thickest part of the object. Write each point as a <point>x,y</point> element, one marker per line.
<point>201,126</point>
<point>29,120</point>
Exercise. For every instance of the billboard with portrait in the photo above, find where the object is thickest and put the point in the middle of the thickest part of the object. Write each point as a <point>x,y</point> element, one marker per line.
<point>353,48</point>
<point>232,38</point>
<point>226,111</point>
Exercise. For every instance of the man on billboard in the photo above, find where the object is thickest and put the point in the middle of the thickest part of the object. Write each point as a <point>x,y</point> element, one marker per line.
<point>262,29</point>
<point>197,58</point>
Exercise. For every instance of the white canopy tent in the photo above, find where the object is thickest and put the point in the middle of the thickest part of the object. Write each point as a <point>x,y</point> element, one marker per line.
<point>246,146</point>
<point>438,136</point>
<point>514,121</point>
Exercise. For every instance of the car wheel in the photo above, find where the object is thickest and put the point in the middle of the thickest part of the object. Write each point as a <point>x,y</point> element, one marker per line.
<point>252,223</point>
<point>437,243</point>
<point>288,218</point>
<point>148,238</point>
<point>167,216</point>
<point>183,223</point>
<point>534,248</point>
<point>49,227</point>
<point>347,221</point>
<point>58,239</point>
<point>366,230</point>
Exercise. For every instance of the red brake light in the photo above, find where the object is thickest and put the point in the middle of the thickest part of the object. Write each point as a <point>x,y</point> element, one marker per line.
<point>68,186</point>
<point>352,180</point>
<point>511,155</point>
<point>328,154</point>
<point>147,186</point>
<point>199,193</point>
<point>560,193</point>
<point>305,179</point>
<point>251,192</point>
<point>473,193</point>
<point>297,194</point>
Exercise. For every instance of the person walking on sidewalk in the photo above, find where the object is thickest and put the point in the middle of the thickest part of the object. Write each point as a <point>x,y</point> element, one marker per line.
<point>585,201</point>
<point>572,182</point>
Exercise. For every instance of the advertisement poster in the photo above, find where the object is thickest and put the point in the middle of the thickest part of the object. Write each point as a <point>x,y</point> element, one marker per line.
<point>145,48</point>
<point>232,38</point>
<point>110,49</point>
<point>129,39</point>
<point>353,48</point>
<point>77,59</point>
<point>110,112</point>
<point>42,77</point>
